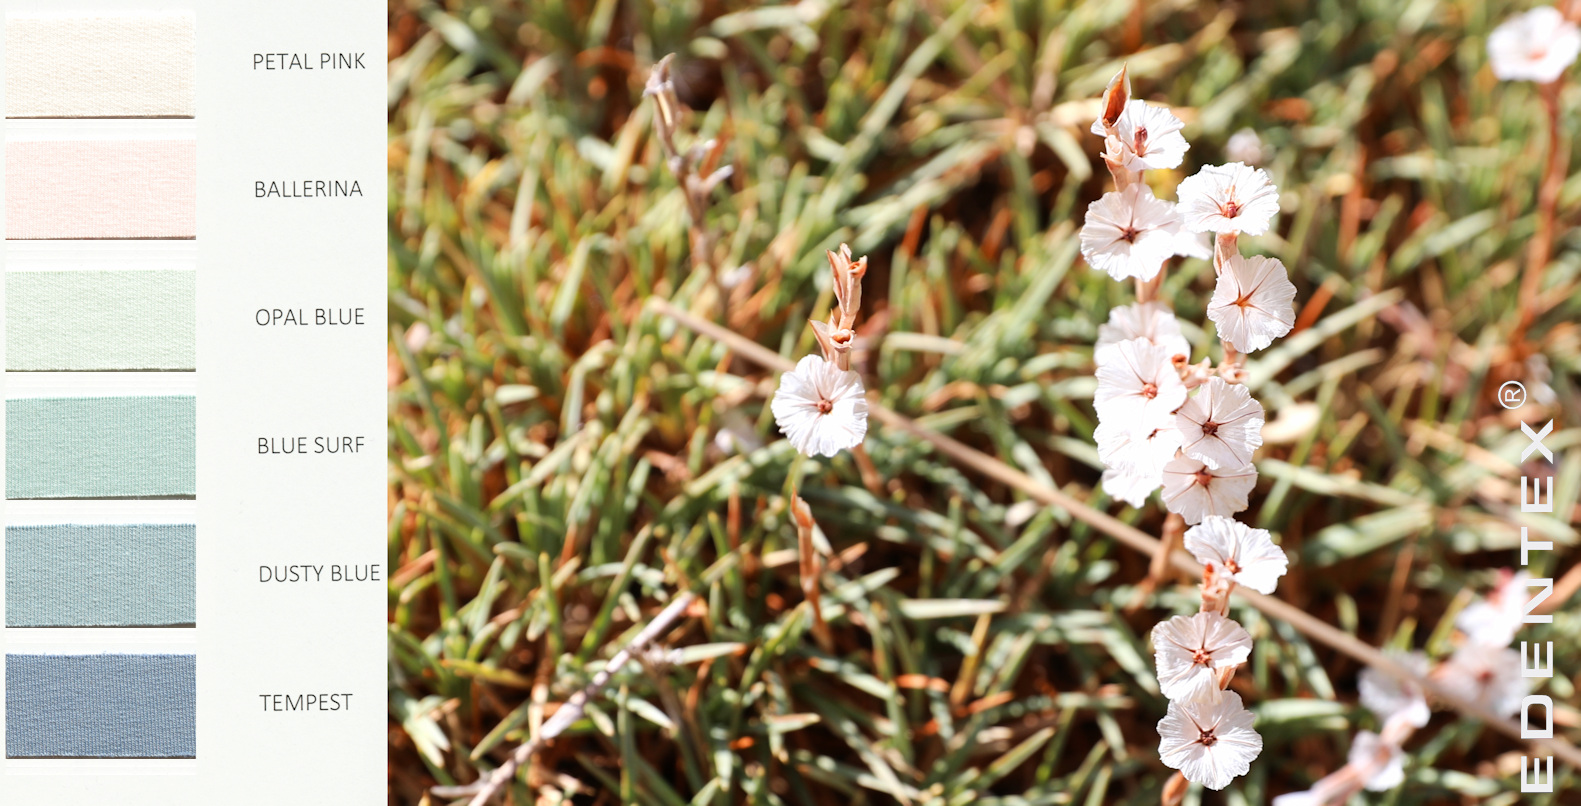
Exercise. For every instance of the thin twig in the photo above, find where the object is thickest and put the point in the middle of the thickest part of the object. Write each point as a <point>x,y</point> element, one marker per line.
<point>486,788</point>
<point>1541,247</point>
<point>1312,627</point>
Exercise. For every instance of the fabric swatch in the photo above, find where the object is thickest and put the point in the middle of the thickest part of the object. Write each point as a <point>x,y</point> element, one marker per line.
<point>101,189</point>
<point>101,320</point>
<point>101,447</point>
<point>101,706</point>
<point>100,575</point>
<point>100,65</point>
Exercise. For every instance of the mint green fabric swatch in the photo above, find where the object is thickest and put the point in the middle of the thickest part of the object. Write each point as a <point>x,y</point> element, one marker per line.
<point>101,447</point>
<point>100,575</point>
<point>101,320</point>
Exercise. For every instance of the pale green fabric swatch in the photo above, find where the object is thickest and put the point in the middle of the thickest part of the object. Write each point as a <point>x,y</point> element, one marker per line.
<point>101,447</point>
<point>101,320</point>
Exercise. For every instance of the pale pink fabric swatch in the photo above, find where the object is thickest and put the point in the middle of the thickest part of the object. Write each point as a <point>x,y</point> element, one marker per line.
<point>101,189</point>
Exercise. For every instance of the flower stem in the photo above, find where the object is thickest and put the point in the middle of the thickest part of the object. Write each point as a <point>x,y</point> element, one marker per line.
<point>1541,247</point>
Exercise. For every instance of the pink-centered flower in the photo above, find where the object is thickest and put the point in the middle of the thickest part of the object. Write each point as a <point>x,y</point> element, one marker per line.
<point>1389,697</point>
<point>1139,385</point>
<point>1150,137</point>
<point>1382,763</point>
<point>1249,555</point>
<point>1539,45</point>
<point>1228,198</point>
<point>1129,233</point>
<point>1251,302</point>
<point>1486,675</point>
<point>1221,424</point>
<point>820,408</point>
<point>1211,741</point>
<point>1141,320</point>
<point>1191,651</point>
<point>1195,491</point>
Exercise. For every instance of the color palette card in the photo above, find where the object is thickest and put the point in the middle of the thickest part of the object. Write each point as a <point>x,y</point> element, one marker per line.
<point>194,325</point>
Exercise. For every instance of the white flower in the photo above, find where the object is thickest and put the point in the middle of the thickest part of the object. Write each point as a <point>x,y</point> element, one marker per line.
<point>1191,650</point>
<point>1485,675</point>
<point>1228,198</point>
<point>1221,424</point>
<point>1139,385</point>
<point>1536,46</point>
<point>1210,741</point>
<point>1250,555</point>
<point>1148,445</point>
<point>1195,491</point>
<point>1131,485</point>
<point>1495,620</point>
<point>1245,146</point>
<point>1383,763</point>
<point>820,407</point>
<point>1305,797</point>
<point>1390,698</point>
<point>1252,302</point>
<point>1129,233</point>
<point>1142,320</point>
<point>1149,136</point>
<point>1193,244</point>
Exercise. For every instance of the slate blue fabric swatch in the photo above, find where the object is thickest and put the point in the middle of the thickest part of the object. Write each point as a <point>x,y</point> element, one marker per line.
<point>101,706</point>
<point>101,447</point>
<point>100,575</point>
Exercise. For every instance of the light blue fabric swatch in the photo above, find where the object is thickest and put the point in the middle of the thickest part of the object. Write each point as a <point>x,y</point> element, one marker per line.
<point>100,575</point>
<point>101,706</point>
<point>101,447</point>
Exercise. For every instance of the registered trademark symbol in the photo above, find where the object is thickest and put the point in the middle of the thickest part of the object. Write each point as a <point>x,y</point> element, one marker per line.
<point>1512,394</point>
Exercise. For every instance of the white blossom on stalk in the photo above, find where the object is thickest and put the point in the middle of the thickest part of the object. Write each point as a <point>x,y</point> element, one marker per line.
<point>1228,198</point>
<point>1211,741</point>
<point>1146,445</point>
<point>1195,491</point>
<point>820,407</point>
<point>1252,302</point>
<point>1149,137</point>
<point>1191,650</point>
<point>1142,320</point>
<point>1132,485</point>
<point>1489,676</point>
<point>1245,146</point>
<point>1493,621</point>
<point>1193,244</point>
<point>1382,762</point>
<point>1538,45</point>
<point>1389,697</point>
<point>1221,424</point>
<point>1249,555</point>
<point>1129,233</point>
<point>1138,385</point>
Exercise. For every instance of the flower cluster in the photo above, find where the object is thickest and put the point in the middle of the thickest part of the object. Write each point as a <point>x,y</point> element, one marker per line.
<point>1188,429</point>
<point>1482,669</point>
<point>821,406</point>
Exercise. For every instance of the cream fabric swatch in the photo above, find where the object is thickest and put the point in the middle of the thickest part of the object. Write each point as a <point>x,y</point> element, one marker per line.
<point>140,64</point>
<point>101,189</point>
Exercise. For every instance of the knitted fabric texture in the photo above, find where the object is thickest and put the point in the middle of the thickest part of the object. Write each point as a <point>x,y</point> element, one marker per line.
<point>100,575</point>
<point>101,706</point>
<point>100,320</point>
<point>101,447</point>
<point>100,65</point>
<point>101,189</point>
